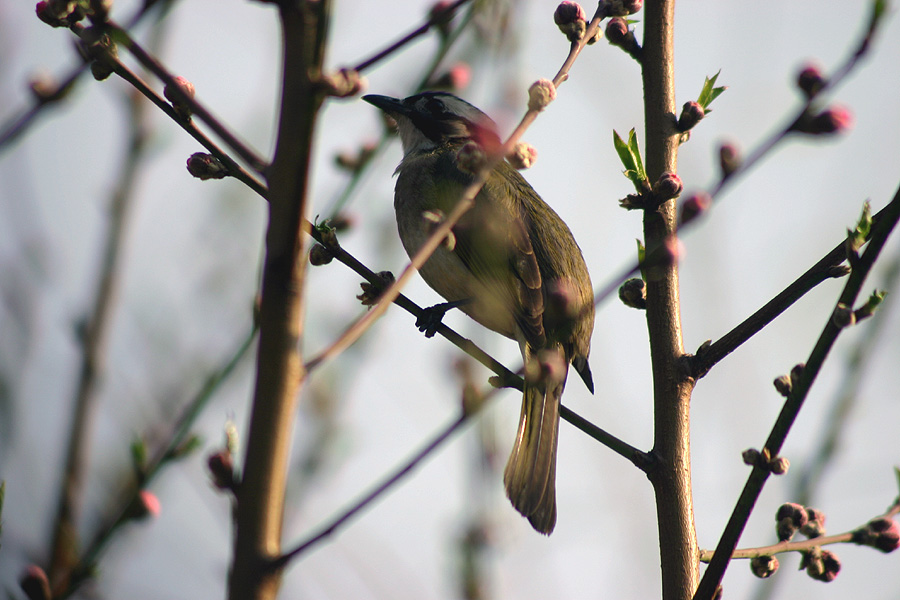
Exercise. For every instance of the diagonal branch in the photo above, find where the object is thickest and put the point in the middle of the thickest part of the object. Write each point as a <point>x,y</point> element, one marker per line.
<point>234,169</point>
<point>758,476</point>
<point>827,268</point>
<point>248,155</point>
<point>433,20</point>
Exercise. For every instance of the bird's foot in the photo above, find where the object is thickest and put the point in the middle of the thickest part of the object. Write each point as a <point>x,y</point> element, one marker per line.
<point>431,317</point>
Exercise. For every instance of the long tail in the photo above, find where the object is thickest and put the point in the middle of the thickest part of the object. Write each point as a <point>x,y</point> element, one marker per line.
<point>530,474</point>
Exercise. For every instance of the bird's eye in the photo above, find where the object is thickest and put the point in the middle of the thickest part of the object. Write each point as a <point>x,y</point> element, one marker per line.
<point>436,107</point>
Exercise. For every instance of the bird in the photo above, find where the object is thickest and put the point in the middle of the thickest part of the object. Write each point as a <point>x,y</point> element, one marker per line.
<point>511,264</point>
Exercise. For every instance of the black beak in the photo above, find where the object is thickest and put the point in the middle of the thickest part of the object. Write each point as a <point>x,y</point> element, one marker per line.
<point>387,104</point>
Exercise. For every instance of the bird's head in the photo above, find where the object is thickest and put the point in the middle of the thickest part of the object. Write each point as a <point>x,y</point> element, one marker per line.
<point>430,119</point>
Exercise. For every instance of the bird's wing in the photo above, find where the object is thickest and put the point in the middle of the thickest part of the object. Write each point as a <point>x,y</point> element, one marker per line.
<point>493,241</point>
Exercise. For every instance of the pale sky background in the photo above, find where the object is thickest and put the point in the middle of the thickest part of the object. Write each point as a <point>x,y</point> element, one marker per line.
<point>191,264</point>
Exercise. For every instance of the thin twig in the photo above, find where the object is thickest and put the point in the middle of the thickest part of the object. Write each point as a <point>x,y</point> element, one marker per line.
<point>827,268</point>
<point>248,155</point>
<point>234,169</point>
<point>823,454</point>
<point>432,20</point>
<point>830,83</point>
<point>390,481</point>
<point>642,460</point>
<point>758,476</point>
<point>762,150</point>
<point>93,354</point>
<point>169,450</point>
<point>789,546</point>
<point>18,124</point>
<point>445,45</point>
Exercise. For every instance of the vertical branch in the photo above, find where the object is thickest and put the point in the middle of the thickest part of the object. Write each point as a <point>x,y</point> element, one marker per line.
<point>260,497</point>
<point>671,473</point>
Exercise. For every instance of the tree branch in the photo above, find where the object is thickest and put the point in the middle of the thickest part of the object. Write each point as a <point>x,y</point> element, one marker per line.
<point>671,472</point>
<point>758,476</point>
<point>260,498</point>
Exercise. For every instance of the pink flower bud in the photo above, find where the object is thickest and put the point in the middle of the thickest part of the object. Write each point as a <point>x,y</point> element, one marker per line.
<point>882,533</point>
<point>541,93</point>
<point>668,186</point>
<point>815,524</point>
<point>633,293</point>
<point>620,8</point>
<point>441,12</point>
<point>729,158</point>
<point>617,31</point>
<point>571,20</point>
<point>523,156</point>
<point>750,456</point>
<point>694,206</point>
<point>835,119</point>
<point>821,565</point>
<point>221,464</point>
<point>206,166</point>
<point>691,114</point>
<point>789,518</point>
<point>35,584</point>
<point>456,78</point>
<point>843,316</point>
<point>783,385</point>
<point>779,465</point>
<point>147,505</point>
<point>470,158</point>
<point>810,80</point>
<point>568,12</point>
<point>763,566</point>
<point>50,14</point>
<point>178,92</point>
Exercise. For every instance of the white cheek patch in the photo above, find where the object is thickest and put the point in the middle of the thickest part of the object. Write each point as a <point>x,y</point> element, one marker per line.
<point>412,139</point>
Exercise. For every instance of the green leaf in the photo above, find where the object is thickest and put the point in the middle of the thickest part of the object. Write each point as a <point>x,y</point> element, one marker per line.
<point>864,226</point>
<point>709,91</point>
<point>879,8</point>
<point>622,151</point>
<point>187,447</point>
<point>139,456</point>
<point>630,154</point>
<point>897,473</point>
<point>868,309</point>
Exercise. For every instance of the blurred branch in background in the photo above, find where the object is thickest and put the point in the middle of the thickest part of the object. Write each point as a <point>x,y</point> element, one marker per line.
<point>93,339</point>
<point>47,92</point>
<point>177,444</point>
